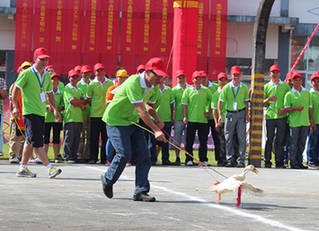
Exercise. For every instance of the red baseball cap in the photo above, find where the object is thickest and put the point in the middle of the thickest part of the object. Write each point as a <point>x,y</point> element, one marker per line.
<point>289,75</point>
<point>202,73</point>
<point>196,74</point>
<point>221,75</point>
<point>73,73</point>
<point>157,65</point>
<point>98,66</point>
<point>55,75</point>
<point>41,53</point>
<point>77,68</point>
<point>85,68</point>
<point>274,68</point>
<point>235,70</point>
<point>312,77</point>
<point>296,74</point>
<point>140,67</point>
<point>49,66</point>
<point>180,72</point>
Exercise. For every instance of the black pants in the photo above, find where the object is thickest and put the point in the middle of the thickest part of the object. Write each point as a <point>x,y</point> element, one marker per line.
<point>211,124</point>
<point>202,135</point>
<point>98,127</point>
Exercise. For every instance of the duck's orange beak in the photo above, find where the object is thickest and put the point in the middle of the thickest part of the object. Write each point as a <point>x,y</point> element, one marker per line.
<point>255,171</point>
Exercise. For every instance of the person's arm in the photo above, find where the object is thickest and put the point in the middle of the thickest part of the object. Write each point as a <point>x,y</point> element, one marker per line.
<point>3,94</point>
<point>53,105</point>
<point>185,114</point>
<point>15,108</point>
<point>220,109</point>
<point>313,126</point>
<point>272,98</point>
<point>172,114</point>
<point>282,111</point>
<point>149,122</point>
<point>150,109</point>
<point>217,126</point>
<point>247,112</point>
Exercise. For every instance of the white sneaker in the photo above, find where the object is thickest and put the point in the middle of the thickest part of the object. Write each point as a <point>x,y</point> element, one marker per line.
<point>37,160</point>
<point>15,160</point>
<point>206,163</point>
<point>189,163</point>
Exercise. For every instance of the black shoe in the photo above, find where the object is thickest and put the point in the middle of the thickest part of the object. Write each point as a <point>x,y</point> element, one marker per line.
<point>230,164</point>
<point>82,161</point>
<point>295,167</point>
<point>177,161</point>
<point>108,190</point>
<point>240,165</point>
<point>280,166</point>
<point>167,163</point>
<point>153,163</point>
<point>221,163</point>
<point>143,196</point>
<point>268,165</point>
<point>303,167</point>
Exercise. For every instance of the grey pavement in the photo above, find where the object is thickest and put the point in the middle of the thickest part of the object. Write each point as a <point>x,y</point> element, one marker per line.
<point>75,200</point>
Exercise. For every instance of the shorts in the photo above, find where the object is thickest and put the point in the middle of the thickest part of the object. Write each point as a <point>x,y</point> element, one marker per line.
<point>35,128</point>
<point>56,132</point>
<point>18,132</point>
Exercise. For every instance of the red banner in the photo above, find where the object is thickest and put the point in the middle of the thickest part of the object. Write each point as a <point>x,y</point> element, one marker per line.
<point>129,33</point>
<point>74,34</point>
<point>110,35</point>
<point>164,31</point>
<point>92,32</point>
<point>41,29</point>
<point>218,35</point>
<point>202,34</point>
<point>58,36</point>
<point>146,32</point>
<point>23,33</point>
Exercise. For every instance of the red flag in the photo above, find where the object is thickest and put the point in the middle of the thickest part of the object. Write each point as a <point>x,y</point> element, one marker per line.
<point>218,33</point>
<point>202,34</point>
<point>41,29</point>
<point>58,36</point>
<point>92,32</point>
<point>74,34</point>
<point>23,33</point>
<point>110,35</point>
<point>129,33</point>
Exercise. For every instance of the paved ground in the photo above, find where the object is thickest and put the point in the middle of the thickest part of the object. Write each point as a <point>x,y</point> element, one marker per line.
<point>75,201</point>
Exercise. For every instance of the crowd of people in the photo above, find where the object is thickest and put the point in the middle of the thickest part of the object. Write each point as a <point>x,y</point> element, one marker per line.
<point>98,114</point>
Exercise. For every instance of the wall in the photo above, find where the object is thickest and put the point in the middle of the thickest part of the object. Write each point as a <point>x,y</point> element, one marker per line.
<point>240,41</point>
<point>300,9</point>
<point>250,7</point>
<point>7,32</point>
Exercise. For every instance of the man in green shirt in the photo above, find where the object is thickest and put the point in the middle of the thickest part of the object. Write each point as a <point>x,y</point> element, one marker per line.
<point>211,122</point>
<point>126,107</point>
<point>74,102</point>
<point>274,95</point>
<point>179,125</point>
<point>236,97</point>
<point>51,70</point>
<point>313,139</point>
<point>34,83</point>
<point>299,106</point>
<point>84,146</point>
<point>194,101</point>
<point>96,95</point>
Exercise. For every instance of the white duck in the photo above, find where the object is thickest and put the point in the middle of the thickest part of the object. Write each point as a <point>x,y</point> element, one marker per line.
<point>237,182</point>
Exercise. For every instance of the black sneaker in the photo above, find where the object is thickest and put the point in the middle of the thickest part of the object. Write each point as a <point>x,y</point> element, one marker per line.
<point>240,165</point>
<point>280,166</point>
<point>295,166</point>
<point>221,163</point>
<point>303,167</point>
<point>230,164</point>
<point>177,161</point>
<point>268,165</point>
<point>143,196</point>
<point>167,163</point>
<point>108,190</point>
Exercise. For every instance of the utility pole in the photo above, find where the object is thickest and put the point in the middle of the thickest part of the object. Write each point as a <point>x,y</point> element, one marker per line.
<point>257,81</point>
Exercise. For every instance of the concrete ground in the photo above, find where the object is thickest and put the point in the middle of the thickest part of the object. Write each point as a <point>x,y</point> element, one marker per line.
<point>75,200</point>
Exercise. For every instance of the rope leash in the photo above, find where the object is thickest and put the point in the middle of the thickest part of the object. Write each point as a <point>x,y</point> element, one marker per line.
<point>200,163</point>
<point>22,133</point>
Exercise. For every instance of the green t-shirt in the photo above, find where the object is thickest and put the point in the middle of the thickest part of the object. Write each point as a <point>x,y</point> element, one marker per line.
<point>30,88</point>
<point>215,103</point>
<point>97,91</point>
<point>234,96</point>
<point>61,87</point>
<point>279,90</point>
<point>293,99</point>
<point>178,93</point>
<point>196,102</point>
<point>163,103</point>
<point>121,111</point>
<point>49,115</point>
<point>212,87</point>
<point>72,113</point>
<point>84,88</point>
<point>315,105</point>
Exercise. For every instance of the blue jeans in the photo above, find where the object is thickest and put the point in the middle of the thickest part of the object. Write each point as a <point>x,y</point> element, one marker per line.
<point>313,146</point>
<point>109,149</point>
<point>125,139</point>
<point>297,141</point>
<point>165,146</point>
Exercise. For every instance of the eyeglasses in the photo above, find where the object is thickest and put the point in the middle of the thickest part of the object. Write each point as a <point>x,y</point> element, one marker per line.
<point>158,76</point>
